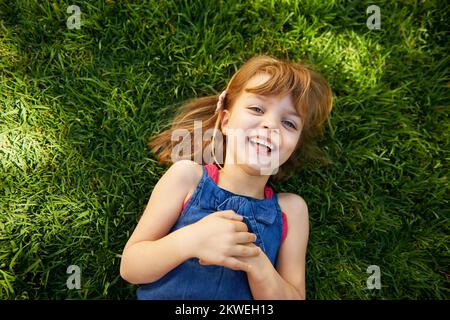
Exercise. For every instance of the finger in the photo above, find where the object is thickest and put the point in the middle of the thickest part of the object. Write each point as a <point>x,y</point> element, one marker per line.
<point>245,237</point>
<point>229,214</point>
<point>240,226</point>
<point>236,264</point>
<point>244,251</point>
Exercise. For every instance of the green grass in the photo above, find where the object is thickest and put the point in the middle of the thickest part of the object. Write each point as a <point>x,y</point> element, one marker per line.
<point>77,107</point>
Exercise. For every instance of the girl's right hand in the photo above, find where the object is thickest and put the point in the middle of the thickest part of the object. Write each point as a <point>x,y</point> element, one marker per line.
<point>220,237</point>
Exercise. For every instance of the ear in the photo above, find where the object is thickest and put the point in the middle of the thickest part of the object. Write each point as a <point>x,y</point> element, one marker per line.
<point>224,122</point>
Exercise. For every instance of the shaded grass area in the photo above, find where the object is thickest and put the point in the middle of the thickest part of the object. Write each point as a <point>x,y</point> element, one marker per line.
<point>77,107</point>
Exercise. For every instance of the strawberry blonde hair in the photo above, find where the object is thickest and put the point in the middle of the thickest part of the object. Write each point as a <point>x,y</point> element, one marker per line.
<point>311,96</point>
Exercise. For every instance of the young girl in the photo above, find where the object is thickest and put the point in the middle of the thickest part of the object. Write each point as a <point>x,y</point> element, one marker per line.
<point>217,230</point>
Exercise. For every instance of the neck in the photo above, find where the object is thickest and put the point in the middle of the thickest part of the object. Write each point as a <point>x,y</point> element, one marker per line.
<point>242,180</point>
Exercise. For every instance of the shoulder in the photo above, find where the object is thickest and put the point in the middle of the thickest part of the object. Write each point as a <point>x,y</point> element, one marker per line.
<point>295,208</point>
<point>292,203</point>
<point>188,171</point>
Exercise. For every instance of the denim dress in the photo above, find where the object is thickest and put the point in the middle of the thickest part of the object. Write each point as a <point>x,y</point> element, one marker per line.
<point>192,281</point>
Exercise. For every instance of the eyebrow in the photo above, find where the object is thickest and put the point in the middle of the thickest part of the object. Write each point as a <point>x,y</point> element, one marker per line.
<point>292,113</point>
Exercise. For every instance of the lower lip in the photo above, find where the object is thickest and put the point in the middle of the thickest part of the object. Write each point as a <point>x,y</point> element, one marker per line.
<point>259,149</point>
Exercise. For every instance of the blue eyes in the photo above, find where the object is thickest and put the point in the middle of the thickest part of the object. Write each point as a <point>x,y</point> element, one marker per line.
<point>255,108</point>
<point>289,123</point>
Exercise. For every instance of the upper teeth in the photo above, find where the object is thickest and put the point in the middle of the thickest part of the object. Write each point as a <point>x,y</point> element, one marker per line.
<point>261,141</point>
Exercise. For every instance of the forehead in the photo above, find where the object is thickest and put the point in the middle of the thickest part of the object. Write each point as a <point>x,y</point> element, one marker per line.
<point>258,80</point>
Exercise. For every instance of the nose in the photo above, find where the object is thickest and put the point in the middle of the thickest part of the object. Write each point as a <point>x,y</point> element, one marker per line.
<point>269,128</point>
<point>269,122</point>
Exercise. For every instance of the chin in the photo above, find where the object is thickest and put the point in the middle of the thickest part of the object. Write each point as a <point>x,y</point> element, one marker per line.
<point>260,170</point>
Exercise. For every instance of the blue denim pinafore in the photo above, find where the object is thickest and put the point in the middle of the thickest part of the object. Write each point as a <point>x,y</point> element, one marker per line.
<point>192,281</point>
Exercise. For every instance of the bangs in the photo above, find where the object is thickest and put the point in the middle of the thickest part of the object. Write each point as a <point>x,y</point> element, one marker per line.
<point>285,81</point>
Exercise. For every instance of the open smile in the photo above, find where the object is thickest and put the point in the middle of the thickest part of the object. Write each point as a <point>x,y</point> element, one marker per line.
<point>263,146</point>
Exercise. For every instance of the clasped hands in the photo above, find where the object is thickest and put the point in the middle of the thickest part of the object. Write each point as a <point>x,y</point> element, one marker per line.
<point>222,238</point>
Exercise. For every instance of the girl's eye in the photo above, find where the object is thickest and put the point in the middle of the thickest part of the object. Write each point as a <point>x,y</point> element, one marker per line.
<point>257,109</point>
<point>290,124</point>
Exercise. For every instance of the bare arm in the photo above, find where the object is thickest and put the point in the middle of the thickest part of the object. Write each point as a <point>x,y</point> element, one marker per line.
<point>151,252</point>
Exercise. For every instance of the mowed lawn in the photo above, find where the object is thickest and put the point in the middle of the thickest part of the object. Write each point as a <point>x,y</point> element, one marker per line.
<point>77,107</point>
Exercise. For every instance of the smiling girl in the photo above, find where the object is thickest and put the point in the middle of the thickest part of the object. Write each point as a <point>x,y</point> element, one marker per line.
<point>216,229</point>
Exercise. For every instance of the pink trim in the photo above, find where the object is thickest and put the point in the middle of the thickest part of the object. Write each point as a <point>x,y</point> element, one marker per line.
<point>213,172</point>
<point>185,203</point>
<point>268,192</point>
<point>285,227</point>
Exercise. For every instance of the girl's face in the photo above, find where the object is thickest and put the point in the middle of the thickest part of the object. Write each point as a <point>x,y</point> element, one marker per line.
<point>264,121</point>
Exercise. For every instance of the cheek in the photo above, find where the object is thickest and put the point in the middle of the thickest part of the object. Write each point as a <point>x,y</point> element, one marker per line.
<point>235,118</point>
<point>241,120</point>
<point>290,143</point>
